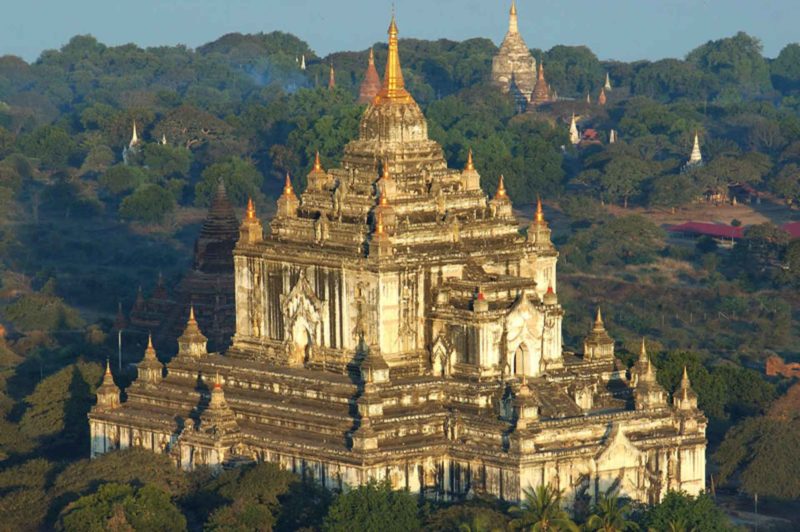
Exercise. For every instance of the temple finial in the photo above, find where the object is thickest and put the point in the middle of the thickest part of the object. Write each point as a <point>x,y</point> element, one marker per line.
<point>251,213</point>
<point>598,319</point>
<point>513,26</point>
<point>317,163</point>
<point>191,313</point>
<point>393,88</point>
<point>331,78</point>
<point>379,224</point>
<point>149,340</point>
<point>288,190</point>
<point>643,352</point>
<point>501,189</point>
<point>539,211</point>
<point>108,367</point>
<point>470,166</point>
<point>371,60</point>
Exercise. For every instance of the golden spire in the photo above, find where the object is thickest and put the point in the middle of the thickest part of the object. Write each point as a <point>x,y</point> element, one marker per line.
<point>371,61</point>
<point>217,382</point>
<point>191,314</point>
<point>501,190</point>
<point>470,166</point>
<point>287,186</point>
<point>541,69</point>
<point>108,369</point>
<point>512,18</point>
<point>134,136</point>
<point>150,352</point>
<point>317,163</point>
<point>598,319</point>
<point>685,379</point>
<point>379,224</point>
<point>393,89</point>
<point>332,78</point>
<point>251,215</point>
<point>539,211</point>
<point>643,352</point>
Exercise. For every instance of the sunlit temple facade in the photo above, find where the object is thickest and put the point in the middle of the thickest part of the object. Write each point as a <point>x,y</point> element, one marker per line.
<point>394,322</point>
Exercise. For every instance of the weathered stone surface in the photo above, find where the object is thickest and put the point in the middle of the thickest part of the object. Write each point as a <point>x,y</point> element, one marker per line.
<point>514,68</point>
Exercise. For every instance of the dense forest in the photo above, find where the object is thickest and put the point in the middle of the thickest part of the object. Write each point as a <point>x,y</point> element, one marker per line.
<point>84,221</point>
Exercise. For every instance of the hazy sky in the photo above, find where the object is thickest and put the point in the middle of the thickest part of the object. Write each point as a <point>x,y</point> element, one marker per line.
<point>614,29</point>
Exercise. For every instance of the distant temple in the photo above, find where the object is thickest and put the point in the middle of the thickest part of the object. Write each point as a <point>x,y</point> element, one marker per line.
<point>695,158</point>
<point>372,82</point>
<point>395,323</point>
<point>514,68</point>
<point>574,135</point>
<point>208,286</point>
<point>541,91</point>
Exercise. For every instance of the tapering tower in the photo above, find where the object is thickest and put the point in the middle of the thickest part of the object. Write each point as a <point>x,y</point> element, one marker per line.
<point>514,61</point>
<point>696,157</point>
<point>574,135</point>
<point>541,92</point>
<point>331,78</point>
<point>371,84</point>
<point>598,345</point>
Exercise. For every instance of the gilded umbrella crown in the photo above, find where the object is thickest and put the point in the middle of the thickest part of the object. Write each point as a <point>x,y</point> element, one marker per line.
<point>393,89</point>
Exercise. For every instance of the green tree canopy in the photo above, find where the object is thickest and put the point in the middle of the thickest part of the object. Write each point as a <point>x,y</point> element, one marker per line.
<point>50,144</point>
<point>123,507</point>
<point>694,513</point>
<point>736,61</point>
<point>148,204</point>
<point>373,506</point>
<point>242,180</point>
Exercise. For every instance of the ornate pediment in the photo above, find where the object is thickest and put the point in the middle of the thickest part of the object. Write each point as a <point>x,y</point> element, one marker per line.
<point>301,298</point>
<point>618,451</point>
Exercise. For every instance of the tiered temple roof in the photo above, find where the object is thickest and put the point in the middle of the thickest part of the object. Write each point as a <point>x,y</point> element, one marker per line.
<point>208,286</point>
<point>395,323</point>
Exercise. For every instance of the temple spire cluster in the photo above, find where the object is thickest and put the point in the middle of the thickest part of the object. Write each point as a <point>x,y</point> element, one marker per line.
<point>395,322</point>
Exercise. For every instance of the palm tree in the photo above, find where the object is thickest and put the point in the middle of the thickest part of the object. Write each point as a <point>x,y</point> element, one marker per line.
<point>541,511</point>
<point>610,514</point>
<point>480,523</point>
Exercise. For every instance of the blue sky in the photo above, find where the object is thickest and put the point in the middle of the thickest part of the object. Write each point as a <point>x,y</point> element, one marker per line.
<point>614,29</point>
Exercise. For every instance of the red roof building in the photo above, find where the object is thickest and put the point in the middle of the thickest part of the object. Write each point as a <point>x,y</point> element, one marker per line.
<point>709,229</point>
